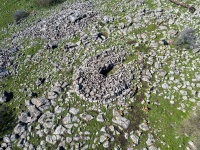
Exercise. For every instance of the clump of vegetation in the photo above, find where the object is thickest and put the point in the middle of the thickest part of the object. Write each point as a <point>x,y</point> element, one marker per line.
<point>45,3</point>
<point>187,38</point>
<point>7,121</point>
<point>191,127</point>
<point>19,15</point>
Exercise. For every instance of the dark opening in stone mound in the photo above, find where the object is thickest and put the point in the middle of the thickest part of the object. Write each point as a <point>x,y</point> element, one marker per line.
<point>106,69</point>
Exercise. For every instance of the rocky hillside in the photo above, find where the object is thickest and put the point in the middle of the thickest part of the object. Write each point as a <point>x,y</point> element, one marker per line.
<point>96,74</point>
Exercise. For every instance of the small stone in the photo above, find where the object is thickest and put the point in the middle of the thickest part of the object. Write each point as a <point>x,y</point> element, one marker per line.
<point>165,86</point>
<point>103,138</point>
<point>14,137</point>
<point>39,101</point>
<point>52,95</point>
<point>100,118</point>
<point>68,139</point>
<point>184,93</point>
<point>86,117</point>
<point>134,138</point>
<point>150,139</point>
<point>60,130</point>
<point>51,139</point>
<point>144,127</point>
<point>19,129</point>
<point>6,139</point>
<point>58,109</point>
<point>47,119</point>
<point>73,111</point>
<point>106,144</point>
<point>39,81</point>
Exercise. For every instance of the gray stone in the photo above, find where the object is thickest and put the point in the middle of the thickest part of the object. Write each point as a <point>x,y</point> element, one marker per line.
<point>144,127</point>
<point>58,109</point>
<point>184,93</point>
<point>103,138</point>
<point>121,121</point>
<point>47,119</point>
<point>56,89</point>
<point>197,77</point>
<point>75,16</point>
<point>34,112</point>
<point>192,145</point>
<point>152,147</point>
<point>6,139</point>
<point>106,144</point>
<point>118,119</point>
<point>2,99</point>
<point>100,118</point>
<point>165,86</point>
<point>51,139</point>
<point>158,65</point>
<point>60,130</point>
<point>74,111</point>
<point>107,19</point>
<point>19,129</point>
<point>86,117</point>
<point>196,50</point>
<point>134,138</point>
<point>68,139</point>
<point>39,81</point>
<point>39,101</point>
<point>67,119</point>
<point>4,145</point>
<point>52,95</point>
<point>24,117</point>
<point>150,140</point>
<point>14,137</point>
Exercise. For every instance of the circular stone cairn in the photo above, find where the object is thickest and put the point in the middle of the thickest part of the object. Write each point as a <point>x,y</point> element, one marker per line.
<point>104,77</point>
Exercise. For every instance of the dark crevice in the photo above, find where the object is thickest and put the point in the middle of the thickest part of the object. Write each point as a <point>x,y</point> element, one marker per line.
<point>106,69</point>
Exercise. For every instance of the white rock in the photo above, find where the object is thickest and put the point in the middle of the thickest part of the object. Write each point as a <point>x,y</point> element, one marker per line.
<point>67,119</point>
<point>74,111</point>
<point>103,138</point>
<point>58,109</point>
<point>184,93</point>
<point>135,138</point>
<point>150,140</point>
<point>51,139</point>
<point>106,144</point>
<point>165,86</point>
<point>52,95</point>
<point>68,139</point>
<point>86,117</point>
<point>100,118</point>
<point>144,127</point>
<point>60,130</point>
<point>122,121</point>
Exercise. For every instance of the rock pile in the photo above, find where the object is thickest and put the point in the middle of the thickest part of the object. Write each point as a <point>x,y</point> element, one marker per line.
<point>6,58</point>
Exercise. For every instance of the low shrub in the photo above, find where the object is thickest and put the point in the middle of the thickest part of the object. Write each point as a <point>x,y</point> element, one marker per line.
<point>45,3</point>
<point>187,38</point>
<point>20,15</point>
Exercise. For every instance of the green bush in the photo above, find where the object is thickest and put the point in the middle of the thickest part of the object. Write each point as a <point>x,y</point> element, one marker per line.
<point>45,3</point>
<point>20,15</point>
<point>187,38</point>
<point>7,121</point>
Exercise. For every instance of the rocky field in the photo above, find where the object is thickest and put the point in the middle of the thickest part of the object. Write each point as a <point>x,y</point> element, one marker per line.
<point>96,74</point>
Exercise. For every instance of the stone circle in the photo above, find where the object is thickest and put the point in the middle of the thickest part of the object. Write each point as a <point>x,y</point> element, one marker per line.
<point>104,77</point>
